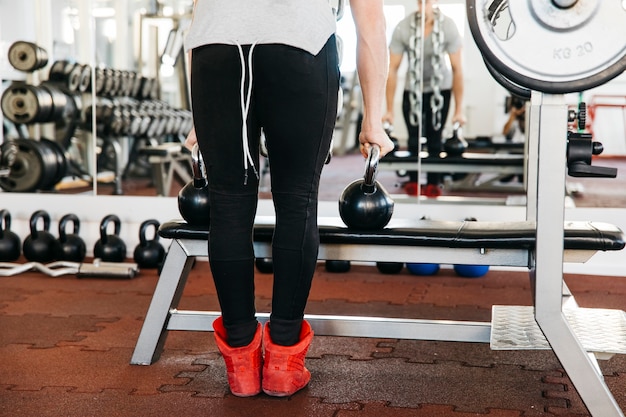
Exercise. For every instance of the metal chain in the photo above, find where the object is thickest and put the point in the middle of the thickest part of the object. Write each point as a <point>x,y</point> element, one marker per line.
<point>436,100</point>
<point>415,71</point>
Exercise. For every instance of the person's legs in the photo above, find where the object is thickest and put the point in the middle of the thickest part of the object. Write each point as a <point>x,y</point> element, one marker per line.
<point>413,131</point>
<point>296,104</point>
<point>216,78</point>
<point>434,142</point>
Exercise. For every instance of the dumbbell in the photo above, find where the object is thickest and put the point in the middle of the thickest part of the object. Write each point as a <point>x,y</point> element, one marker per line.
<point>27,56</point>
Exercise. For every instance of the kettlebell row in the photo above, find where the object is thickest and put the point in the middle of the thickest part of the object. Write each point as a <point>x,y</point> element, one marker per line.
<point>41,246</point>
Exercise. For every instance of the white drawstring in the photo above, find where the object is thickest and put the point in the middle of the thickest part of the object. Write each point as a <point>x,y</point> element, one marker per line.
<point>245,106</point>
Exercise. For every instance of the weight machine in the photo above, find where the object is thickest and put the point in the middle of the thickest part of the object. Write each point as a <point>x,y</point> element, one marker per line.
<point>569,54</point>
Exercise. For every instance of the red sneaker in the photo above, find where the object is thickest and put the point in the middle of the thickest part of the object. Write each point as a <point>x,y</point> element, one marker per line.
<point>410,188</point>
<point>243,364</point>
<point>431,190</point>
<point>284,372</point>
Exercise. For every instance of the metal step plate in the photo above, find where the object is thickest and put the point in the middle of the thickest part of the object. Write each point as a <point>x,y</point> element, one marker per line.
<point>598,330</point>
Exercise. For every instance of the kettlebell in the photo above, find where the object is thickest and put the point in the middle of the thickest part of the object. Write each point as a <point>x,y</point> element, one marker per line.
<point>10,243</point>
<point>71,247</point>
<point>40,245</point>
<point>149,253</point>
<point>110,248</point>
<point>193,198</point>
<point>455,145</point>
<point>365,204</point>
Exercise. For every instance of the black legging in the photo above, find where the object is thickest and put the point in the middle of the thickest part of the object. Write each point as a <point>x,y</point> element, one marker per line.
<point>294,101</point>
<point>434,141</point>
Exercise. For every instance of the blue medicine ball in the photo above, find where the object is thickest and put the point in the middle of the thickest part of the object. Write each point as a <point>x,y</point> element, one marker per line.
<point>471,271</point>
<point>423,268</point>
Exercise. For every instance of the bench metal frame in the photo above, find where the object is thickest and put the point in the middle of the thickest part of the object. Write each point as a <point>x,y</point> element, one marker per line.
<point>545,207</point>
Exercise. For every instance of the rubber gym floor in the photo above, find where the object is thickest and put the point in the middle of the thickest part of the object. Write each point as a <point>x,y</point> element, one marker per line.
<point>66,343</point>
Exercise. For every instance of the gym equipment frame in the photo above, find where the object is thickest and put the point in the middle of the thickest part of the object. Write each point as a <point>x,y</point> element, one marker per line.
<point>555,316</point>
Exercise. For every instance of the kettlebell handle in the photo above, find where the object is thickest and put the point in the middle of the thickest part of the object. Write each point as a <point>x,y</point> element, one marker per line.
<point>104,237</point>
<point>456,128</point>
<point>371,167</point>
<point>70,217</point>
<point>39,214</point>
<point>5,218</point>
<point>198,168</point>
<point>198,163</point>
<point>143,230</point>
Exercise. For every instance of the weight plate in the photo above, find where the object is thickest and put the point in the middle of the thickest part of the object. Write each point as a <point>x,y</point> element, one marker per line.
<point>27,169</point>
<point>108,82</point>
<point>146,87</point>
<point>116,79</point>
<point>551,49</point>
<point>100,80</point>
<point>84,83</point>
<point>59,101</point>
<point>136,88</point>
<point>24,104</point>
<point>75,77</point>
<point>26,56</point>
<point>60,71</point>
<point>8,151</point>
<point>55,163</point>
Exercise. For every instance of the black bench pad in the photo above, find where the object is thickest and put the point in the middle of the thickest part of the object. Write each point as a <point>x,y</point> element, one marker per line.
<point>165,149</point>
<point>468,158</point>
<point>449,234</point>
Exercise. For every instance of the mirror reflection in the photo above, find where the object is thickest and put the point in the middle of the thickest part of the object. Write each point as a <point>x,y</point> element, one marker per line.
<point>102,88</point>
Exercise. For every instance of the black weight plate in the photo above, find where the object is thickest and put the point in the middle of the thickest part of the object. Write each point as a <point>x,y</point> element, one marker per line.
<point>84,83</point>
<point>60,71</point>
<point>56,166</point>
<point>27,169</point>
<point>74,77</point>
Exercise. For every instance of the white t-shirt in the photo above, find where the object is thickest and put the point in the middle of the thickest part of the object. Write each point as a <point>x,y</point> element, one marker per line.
<point>400,43</point>
<point>304,24</point>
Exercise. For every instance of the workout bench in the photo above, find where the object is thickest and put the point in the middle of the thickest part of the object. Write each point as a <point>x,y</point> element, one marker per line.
<point>467,242</point>
<point>167,160</point>
<point>474,164</point>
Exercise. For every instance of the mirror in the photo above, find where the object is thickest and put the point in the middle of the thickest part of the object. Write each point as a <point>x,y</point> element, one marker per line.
<point>133,47</point>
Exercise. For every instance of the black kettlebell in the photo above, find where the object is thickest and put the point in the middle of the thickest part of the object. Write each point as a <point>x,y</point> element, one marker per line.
<point>365,204</point>
<point>149,253</point>
<point>40,245</point>
<point>455,145</point>
<point>110,248</point>
<point>193,198</point>
<point>10,243</point>
<point>71,247</point>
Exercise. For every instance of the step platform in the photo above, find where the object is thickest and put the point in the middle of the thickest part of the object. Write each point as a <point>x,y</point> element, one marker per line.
<point>601,331</point>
